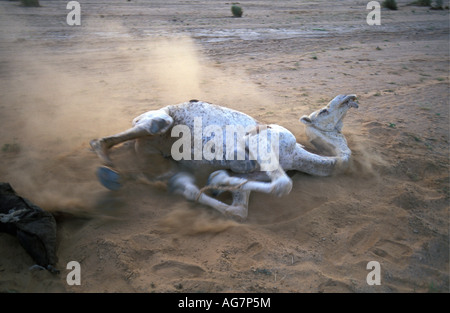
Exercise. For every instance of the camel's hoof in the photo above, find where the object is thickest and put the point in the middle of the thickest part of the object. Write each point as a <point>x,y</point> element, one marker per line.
<point>109,178</point>
<point>101,150</point>
<point>237,213</point>
<point>179,181</point>
<point>183,184</point>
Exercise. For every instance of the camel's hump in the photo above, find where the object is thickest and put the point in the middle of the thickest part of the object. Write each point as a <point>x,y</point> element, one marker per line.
<point>184,113</point>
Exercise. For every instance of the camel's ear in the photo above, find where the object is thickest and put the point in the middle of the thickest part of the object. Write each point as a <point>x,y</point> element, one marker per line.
<point>305,120</point>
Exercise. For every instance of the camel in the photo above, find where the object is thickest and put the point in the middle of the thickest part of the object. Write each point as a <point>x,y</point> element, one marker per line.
<point>161,130</point>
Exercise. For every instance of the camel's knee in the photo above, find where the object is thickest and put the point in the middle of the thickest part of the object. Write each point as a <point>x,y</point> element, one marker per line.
<point>153,122</point>
<point>282,186</point>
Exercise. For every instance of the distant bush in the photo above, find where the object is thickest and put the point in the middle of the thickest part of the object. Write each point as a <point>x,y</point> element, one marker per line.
<point>30,3</point>
<point>11,147</point>
<point>237,11</point>
<point>390,4</point>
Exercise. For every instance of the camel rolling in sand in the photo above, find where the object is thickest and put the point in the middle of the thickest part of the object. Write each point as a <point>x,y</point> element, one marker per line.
<point>244,155</point>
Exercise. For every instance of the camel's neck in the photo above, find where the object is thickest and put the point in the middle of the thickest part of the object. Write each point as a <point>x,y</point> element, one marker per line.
<point>333,143</point>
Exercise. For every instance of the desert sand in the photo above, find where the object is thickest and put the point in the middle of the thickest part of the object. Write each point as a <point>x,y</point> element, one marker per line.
<point>61,86</point>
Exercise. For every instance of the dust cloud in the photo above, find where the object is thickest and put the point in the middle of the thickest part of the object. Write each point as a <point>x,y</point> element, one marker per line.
<point>193,222</point>
<point>55,100</point>
<point>62,86</point>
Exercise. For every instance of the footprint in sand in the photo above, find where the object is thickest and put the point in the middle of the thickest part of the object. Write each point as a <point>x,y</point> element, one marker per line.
<point>176,268</point>
<point>391,250</point>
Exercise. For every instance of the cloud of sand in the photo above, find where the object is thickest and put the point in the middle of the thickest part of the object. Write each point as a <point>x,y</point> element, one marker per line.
<point>179,71</point>
<point>366,160</point>
<point>193,222</point>
<point>55,99</point>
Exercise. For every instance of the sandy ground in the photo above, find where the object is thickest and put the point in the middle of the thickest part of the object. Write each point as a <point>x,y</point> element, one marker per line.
<point>61,86</point>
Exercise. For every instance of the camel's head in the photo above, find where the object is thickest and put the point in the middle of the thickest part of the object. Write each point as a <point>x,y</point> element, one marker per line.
<point>330,117</point>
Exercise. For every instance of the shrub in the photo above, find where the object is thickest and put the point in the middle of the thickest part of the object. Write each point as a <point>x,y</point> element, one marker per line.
<point>11,147</point>
<point>30,3</point>
<point>237,11</point>
<point>390,4</point>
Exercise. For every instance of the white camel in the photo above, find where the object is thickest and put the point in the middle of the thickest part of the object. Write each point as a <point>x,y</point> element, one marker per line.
<point>161,129</point>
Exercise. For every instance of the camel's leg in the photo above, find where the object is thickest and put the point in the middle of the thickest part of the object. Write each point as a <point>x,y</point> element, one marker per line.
<point>269,169</point>
<point>150,123</point>
<point>183,184</point>
<point>102,145</point>
<point>279,185</point>
<point>313,164</point>
<point>264,153</point>
<point>239,206</point>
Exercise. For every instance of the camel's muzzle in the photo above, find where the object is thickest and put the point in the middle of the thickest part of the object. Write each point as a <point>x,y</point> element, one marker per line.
<point>352,104</point>
<point>349,100</point>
